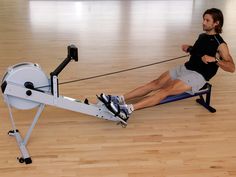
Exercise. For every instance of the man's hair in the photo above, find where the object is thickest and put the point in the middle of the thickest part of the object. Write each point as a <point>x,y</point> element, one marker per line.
<point>217,15</point>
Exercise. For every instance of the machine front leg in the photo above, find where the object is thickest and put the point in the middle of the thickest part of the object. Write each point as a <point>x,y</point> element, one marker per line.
<point>25,157</point>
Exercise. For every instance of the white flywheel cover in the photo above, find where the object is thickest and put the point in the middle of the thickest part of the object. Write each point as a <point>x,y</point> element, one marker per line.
<point>25,72</point>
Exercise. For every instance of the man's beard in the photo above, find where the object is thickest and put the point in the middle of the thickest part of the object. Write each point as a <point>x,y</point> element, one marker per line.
<point>207,29</point>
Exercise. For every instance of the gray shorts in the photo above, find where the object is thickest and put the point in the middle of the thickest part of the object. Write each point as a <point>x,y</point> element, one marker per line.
<point>191,78</point>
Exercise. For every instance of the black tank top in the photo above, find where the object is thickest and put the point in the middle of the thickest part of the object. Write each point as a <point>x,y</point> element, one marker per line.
<point>205,45</point>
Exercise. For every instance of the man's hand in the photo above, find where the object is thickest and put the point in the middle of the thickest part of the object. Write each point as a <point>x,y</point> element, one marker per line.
<point>185,47</point>
<point>208,59</point>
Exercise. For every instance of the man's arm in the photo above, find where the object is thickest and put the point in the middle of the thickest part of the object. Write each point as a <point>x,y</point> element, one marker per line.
<point>227,63</point>
<point>186,48</point>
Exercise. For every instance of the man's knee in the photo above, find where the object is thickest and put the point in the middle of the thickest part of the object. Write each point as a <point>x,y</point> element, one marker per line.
<point>175,87</point>
<point>161,81</point>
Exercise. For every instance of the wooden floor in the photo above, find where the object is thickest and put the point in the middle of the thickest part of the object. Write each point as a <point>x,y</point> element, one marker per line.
<point>179,139</point>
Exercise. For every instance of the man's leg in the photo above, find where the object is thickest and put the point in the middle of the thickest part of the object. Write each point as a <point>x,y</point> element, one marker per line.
<point>149,87</point>
<point>173,87</point>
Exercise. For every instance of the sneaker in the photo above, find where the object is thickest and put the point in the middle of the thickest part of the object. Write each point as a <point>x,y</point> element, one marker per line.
<point>107,99</point>
<point>122,111</point>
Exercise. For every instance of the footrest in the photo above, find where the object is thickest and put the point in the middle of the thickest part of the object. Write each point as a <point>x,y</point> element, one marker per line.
<point>109,108</point>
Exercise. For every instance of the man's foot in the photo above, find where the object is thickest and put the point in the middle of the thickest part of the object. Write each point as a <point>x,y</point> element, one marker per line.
<point>122,111</point>
<point>112,103</point>
<point>107,99</point>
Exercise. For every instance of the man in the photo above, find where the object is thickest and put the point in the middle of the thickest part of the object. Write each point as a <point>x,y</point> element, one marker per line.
<point>190,77</point>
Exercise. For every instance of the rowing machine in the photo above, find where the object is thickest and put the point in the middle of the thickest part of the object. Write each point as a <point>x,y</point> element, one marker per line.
<point>22,89</point>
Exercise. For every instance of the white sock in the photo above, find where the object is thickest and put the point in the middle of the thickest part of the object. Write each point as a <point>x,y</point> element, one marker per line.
<point>121,99</point>
<point>130,108</point>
